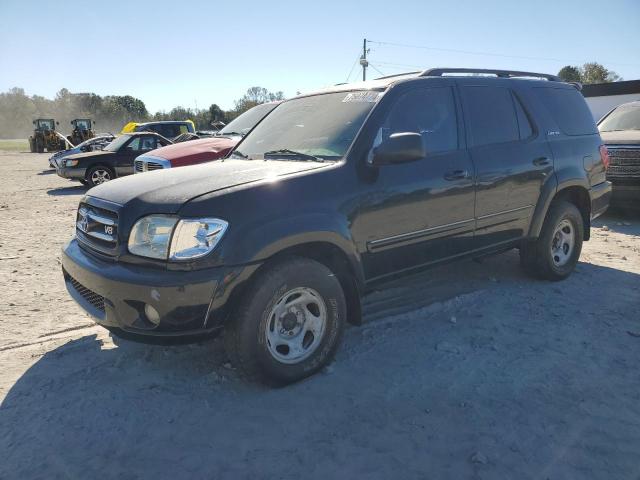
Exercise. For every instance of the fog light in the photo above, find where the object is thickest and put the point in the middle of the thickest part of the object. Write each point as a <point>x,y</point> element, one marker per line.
<point>152,314</point>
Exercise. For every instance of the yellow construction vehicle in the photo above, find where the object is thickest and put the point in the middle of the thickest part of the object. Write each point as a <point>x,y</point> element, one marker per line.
<point>46,136</point>
<point>81,131</point>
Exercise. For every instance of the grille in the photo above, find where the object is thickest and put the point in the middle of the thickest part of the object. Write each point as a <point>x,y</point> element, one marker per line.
<point>624,156</point>
<point>153,166</point>
<point>140,166</point>
<point>97,228</point>
<point>90,296</point>
<point>623,171</point>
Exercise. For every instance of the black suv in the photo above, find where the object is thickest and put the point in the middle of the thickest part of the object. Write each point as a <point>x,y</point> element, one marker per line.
<point>331,194</point>
<point>620,131</point>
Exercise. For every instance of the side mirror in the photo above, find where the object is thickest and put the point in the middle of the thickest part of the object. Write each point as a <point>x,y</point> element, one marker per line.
<point>399,148</point>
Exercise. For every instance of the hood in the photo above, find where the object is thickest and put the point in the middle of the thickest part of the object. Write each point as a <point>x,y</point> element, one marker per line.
<point>95,153</point>
<point>623,137</point>
<point>196,151</point>
<point>166,190</point>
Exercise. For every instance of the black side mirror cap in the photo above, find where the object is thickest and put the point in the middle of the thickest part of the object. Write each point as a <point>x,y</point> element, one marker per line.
<point>399,148</point>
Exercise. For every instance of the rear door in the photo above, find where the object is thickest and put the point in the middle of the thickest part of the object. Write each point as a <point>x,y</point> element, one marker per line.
<point>512,160</point>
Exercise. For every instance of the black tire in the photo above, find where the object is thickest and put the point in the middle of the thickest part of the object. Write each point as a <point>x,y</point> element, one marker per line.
<point>99,171</point>
<point>32,145</point>
<point>246,336</point>
<point>537,257</point>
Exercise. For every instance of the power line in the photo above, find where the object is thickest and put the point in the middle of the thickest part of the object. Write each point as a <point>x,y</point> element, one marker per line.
<point>376,69</point>
<point>489,54</point>
<point>352,67</point>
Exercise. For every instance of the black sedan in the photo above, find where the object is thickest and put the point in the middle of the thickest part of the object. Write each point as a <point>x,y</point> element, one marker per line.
<point>116,160</point>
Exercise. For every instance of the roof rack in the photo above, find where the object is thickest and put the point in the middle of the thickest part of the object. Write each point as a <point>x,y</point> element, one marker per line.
<point>439,72</point>
<point>397,75</point>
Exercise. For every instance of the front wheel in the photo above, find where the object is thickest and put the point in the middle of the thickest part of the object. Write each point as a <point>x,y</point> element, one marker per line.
<point>290,323</point>
<point>98,175</point>
<point>555,253</point>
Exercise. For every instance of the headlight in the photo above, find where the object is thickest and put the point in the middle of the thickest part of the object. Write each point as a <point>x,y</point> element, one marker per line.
<point>71,163</point>
<point>163,236</point>
<point>151,235</point>
<point>195,238</point>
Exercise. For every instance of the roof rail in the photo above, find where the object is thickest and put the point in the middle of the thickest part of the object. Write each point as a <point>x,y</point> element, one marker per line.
<point>439,72</point>
<point>398,75</point>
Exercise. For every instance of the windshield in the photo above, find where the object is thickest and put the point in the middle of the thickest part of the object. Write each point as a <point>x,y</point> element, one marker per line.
<point>622,118</point>
<point>245,122</point>
<point>321,126</point>
<point>117,143</point>
<point>83,124</point>
<point>45,125</point>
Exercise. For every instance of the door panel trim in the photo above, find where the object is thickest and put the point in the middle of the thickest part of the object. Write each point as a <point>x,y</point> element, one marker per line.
<point>420,235</point>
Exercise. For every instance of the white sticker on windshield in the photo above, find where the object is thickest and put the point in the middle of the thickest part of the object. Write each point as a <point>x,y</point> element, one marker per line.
<point>366,96</point>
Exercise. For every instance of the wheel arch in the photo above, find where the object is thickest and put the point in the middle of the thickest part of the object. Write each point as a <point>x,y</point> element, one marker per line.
<point>575,192</point>
<point>100,164</point>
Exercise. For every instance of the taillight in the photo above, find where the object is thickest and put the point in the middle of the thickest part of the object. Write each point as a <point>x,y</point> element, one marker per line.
<point>604,156</point>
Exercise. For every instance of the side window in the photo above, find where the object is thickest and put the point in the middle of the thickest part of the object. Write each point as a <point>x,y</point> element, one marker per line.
<point>134,144</point>
<point>148,143</point>
<point>568,108</point>
<point>524,125</point>
<point>431,112</point>
<point>490,113</point>
<point>184,129</point>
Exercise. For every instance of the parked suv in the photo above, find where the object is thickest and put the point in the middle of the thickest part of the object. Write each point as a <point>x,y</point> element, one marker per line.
<point>620,131</point>
<point>333,193</point>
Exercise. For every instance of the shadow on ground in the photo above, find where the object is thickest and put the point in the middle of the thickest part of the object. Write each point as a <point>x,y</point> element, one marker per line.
<point>532,380</point>
<point>75,190</point>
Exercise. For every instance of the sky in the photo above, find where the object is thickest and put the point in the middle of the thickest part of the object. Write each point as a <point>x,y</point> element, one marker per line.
<point>193,54</point>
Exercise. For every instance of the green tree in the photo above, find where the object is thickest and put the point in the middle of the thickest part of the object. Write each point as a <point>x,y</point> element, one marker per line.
<point>594,72</point>
<point>254,96</point>
<point>570,74</point>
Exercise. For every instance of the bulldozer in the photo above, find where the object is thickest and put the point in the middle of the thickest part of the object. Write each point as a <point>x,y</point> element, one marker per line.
<point>45,136</point>
<point>81,131</point>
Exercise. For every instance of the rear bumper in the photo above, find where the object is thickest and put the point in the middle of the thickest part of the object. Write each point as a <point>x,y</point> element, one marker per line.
<point>600,198</point>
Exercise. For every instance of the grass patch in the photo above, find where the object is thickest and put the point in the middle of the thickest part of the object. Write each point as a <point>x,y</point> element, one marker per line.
<point>16,145</point>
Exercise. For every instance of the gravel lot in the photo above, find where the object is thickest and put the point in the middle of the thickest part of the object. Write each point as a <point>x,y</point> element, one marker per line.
<point>466,371</point>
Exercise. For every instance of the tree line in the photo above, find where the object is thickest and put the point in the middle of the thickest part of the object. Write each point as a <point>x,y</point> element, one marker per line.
<point>111,112</point>
<point>591,72</point>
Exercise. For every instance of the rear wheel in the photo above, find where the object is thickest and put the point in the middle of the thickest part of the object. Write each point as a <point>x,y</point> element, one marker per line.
<point>98,175</point>
<point>290,323</point>
<point>554,254</point>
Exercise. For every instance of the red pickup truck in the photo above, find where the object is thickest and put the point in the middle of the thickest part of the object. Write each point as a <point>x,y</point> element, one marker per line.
<point>204,149</point>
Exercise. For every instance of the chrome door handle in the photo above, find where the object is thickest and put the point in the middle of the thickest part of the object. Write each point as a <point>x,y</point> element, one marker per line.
<point>541,161</point>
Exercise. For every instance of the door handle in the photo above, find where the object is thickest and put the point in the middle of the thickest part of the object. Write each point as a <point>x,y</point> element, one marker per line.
<point>456,175</point>
<point>541,161</point>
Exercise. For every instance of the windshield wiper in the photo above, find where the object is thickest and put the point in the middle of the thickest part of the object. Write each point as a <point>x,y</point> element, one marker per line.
<point>286,152</point>
<point>240,154</point>
<point>229,134</point>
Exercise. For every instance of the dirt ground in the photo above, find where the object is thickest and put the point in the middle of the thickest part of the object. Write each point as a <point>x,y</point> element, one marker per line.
<point>470,370</point>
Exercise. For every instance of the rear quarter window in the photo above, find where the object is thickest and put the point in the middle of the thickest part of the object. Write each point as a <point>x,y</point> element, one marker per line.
<point>568,109</point>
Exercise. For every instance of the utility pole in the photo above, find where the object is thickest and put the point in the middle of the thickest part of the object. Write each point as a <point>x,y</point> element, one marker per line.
<point>363,60</point>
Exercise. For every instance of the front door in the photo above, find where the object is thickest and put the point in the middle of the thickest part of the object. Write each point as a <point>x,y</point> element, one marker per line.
<point>419,212</point>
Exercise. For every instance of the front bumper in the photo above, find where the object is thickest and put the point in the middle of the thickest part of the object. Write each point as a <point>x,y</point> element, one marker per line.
<point>600,198</point>
<point>115,294</point>
<point>71,173</point>
<point>626,195</point>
